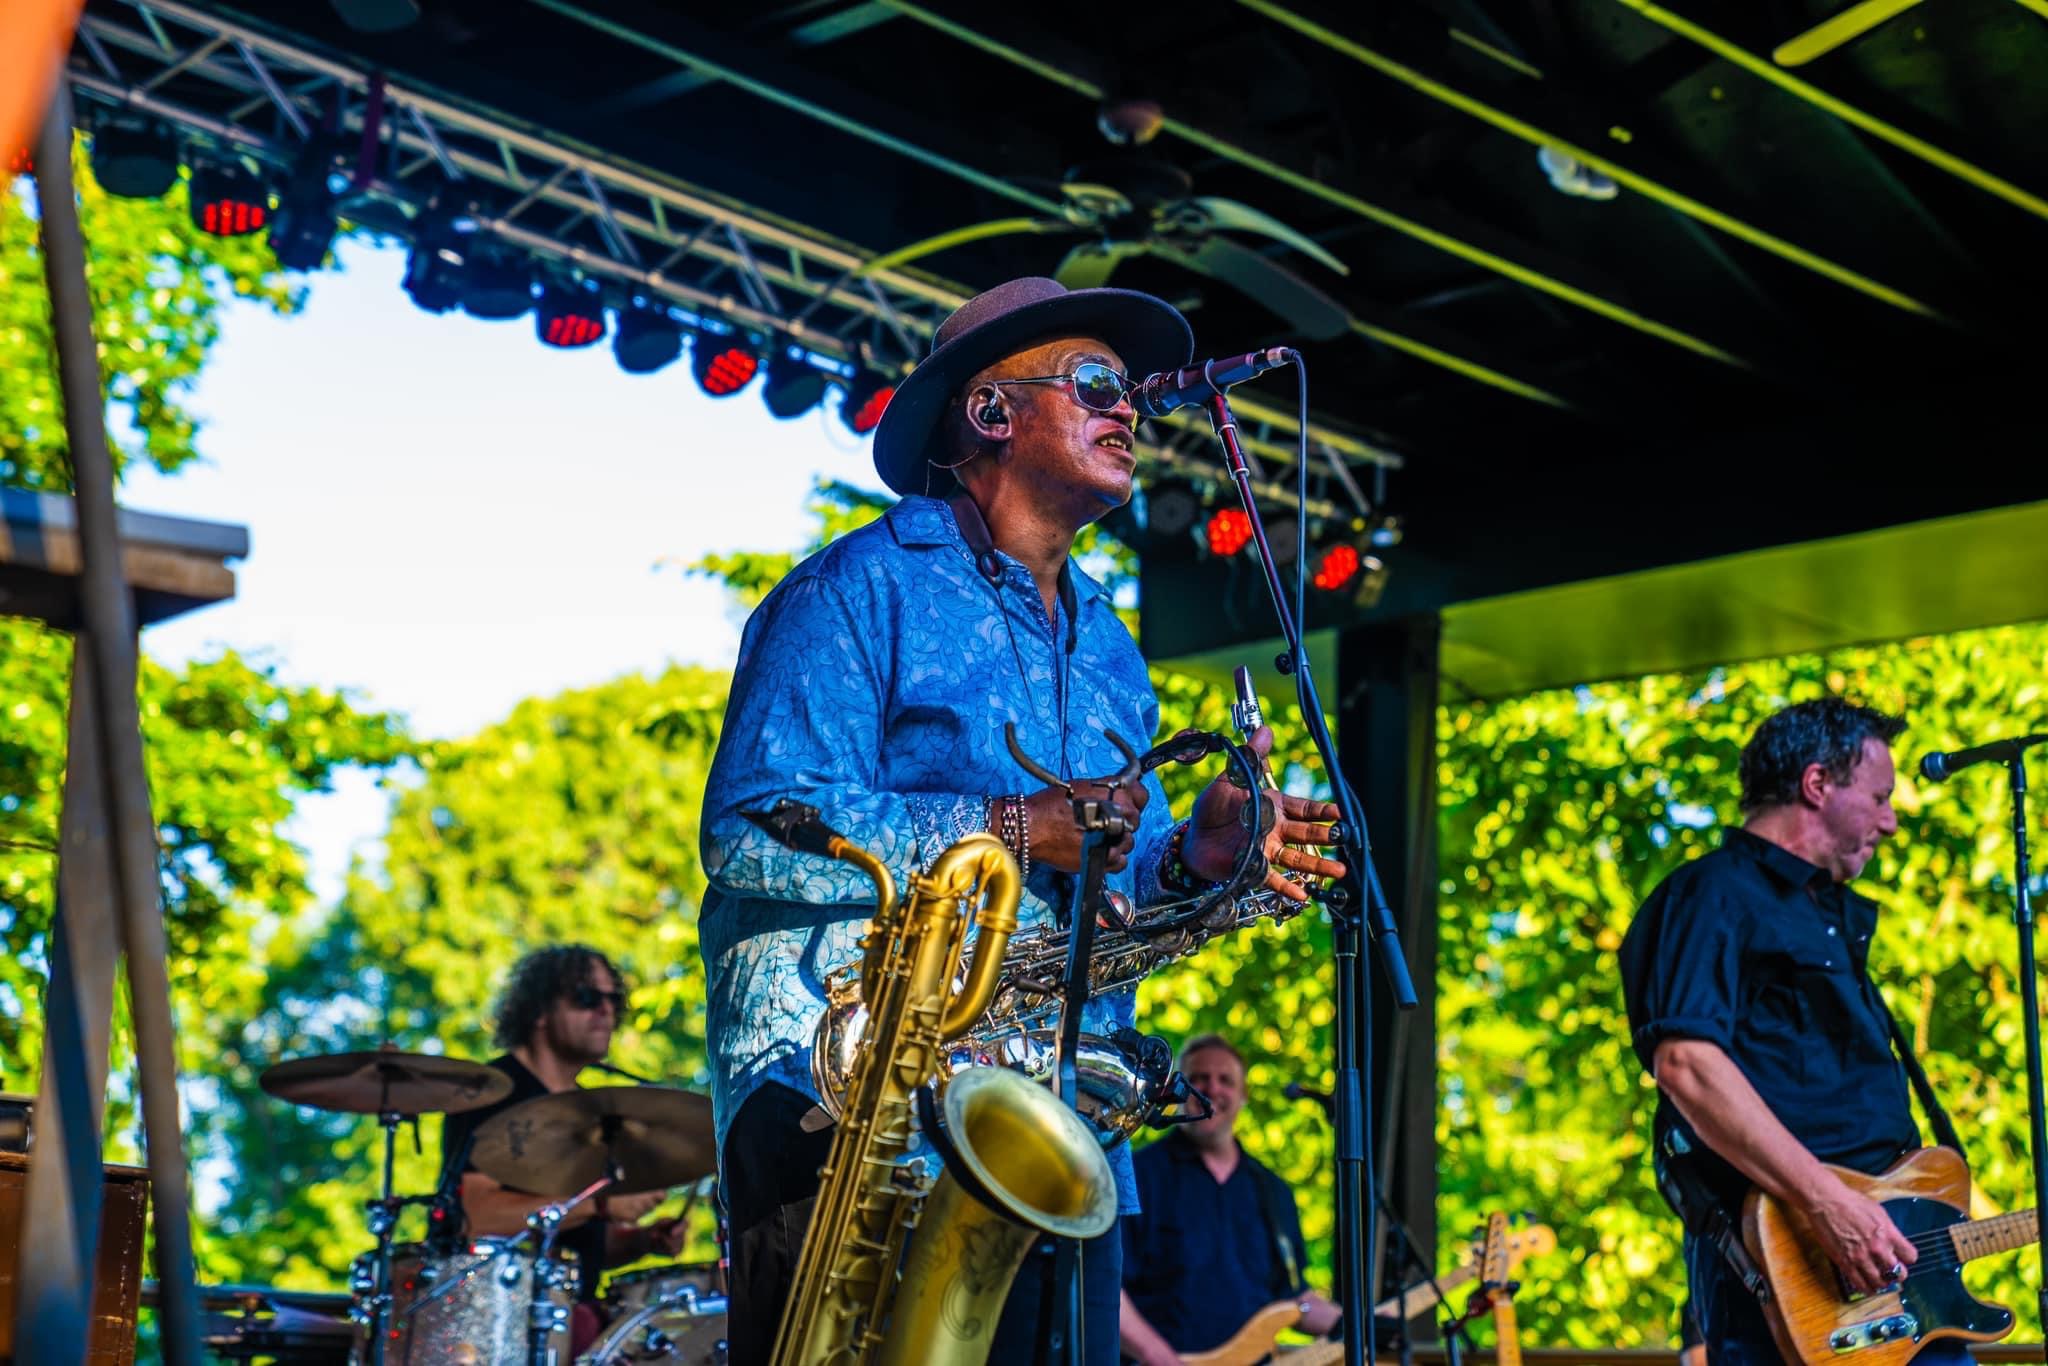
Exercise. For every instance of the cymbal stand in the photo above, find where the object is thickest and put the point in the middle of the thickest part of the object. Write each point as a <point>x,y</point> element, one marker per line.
<point>543,1318</point>
<point>383,1221</point>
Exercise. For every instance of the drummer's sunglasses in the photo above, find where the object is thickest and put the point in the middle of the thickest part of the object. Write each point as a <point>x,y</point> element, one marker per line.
<point>589,998</point>
<point>1096,386</point>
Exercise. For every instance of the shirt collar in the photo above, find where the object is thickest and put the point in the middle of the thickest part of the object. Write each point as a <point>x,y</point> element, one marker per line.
<point>1774,858</point>
<point>920,522</point>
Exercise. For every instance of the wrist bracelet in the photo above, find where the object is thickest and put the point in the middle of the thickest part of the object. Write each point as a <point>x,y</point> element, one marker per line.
<point>1174,873</point>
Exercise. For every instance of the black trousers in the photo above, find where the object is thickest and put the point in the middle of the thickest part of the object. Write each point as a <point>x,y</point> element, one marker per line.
<point>771,1187</point>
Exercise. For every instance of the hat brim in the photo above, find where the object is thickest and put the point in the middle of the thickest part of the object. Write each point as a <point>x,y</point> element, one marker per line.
<point>1149,335</point>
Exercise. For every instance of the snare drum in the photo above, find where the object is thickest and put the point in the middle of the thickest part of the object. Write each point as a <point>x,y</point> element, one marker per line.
<point>673,1314</point>
<point>472,1307</point>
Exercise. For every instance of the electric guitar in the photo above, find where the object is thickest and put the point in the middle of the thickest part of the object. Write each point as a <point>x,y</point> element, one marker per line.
<point>1257,1339</point>
<point>1497,1293</point>
<point>1927,1194</point>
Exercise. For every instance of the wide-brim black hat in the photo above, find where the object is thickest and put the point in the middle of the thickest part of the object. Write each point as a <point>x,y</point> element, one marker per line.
<point>1149,334</point>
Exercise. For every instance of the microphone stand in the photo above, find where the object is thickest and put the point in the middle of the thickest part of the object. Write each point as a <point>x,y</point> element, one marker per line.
<point>1061,1326</point>
<point>2030,1010</point>
<point>1355,1200</point>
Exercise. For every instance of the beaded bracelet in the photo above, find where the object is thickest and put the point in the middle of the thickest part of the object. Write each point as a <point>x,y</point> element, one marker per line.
<point>1174,873</point>
<point>1009,819</point>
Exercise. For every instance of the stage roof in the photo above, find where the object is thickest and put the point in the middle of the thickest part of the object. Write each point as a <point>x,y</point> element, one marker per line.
<point>1807,310</point>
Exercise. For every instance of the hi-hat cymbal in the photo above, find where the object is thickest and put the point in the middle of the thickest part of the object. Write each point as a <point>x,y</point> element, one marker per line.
<point>386,1081</point>
<point>558,1144</point>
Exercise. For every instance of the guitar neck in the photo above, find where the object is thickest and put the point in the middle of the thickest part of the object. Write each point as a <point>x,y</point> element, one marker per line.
<point>2001,1233</point>
<point>1507,1347</point>
<point>1416,1298</point>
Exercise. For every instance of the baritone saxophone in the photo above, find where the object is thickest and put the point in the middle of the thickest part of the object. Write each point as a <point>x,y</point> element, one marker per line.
<point>1019,1163</point>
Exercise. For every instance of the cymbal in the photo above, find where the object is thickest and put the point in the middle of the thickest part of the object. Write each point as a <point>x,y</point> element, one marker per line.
<point>556,1144</point>
<point>386,1081</point>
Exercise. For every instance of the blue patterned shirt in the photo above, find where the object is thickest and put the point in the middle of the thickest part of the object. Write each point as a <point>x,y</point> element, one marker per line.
<point>873,684</point>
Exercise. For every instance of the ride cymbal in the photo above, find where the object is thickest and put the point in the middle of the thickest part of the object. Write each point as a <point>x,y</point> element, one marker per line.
<point>386,1081</point>
<point>559,1144</point>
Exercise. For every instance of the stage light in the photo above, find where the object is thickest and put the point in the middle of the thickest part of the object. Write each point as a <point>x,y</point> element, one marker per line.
<point>303,228</point>
<point>228,199</point>
<point>20,161</point>
<point>723,365</point>
<point>436,267</point>
<point>1337,566</point>
<point>134,159</point>
<point>866,399</point>
<point>569,313</point>
<point>1171,509</point>
<point>793,385</point>
<point>497,282</point>
<point>647,339</point>
<point>1229,531</point>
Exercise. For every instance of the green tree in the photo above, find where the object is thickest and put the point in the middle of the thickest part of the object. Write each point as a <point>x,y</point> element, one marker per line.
<point>228,749</point>
<point>573,820</point>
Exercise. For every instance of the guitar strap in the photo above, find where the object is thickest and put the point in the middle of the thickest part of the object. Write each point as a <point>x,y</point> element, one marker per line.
<point>1937,1117</point>
<point>1286,1256</point>
<point>1705,1216</point>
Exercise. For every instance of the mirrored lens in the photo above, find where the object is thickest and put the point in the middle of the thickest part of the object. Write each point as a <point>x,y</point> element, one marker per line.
<point>1098,386</point>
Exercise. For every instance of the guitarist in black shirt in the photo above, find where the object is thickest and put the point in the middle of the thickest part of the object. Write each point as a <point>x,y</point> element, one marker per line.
<point>1750,1001</point>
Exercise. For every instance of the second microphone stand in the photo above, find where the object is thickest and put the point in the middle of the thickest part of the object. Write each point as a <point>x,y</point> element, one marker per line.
<point>1354,981</point>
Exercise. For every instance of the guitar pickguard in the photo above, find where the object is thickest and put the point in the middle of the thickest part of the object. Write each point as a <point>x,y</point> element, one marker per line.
<point>1933,1293</point>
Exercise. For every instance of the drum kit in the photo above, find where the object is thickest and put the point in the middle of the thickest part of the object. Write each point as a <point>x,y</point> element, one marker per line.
<point>506,1301</point>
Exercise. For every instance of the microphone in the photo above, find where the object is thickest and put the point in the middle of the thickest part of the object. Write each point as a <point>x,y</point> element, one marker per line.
<point>1294,1090</point>
<point>1170,389</point>
<point>1938,766</point>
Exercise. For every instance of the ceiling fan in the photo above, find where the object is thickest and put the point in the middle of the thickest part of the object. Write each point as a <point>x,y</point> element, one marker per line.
<point>1133,204</point>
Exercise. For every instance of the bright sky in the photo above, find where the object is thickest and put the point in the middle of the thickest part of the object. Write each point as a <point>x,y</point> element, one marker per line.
<point>448,517</point>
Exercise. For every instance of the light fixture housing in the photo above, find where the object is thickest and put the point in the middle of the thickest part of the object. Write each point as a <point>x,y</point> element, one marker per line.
<point>1172,508</point>
<point>134,158</point>
<point>647,339</point>
<point>793,385</point>
<point>436,268</point>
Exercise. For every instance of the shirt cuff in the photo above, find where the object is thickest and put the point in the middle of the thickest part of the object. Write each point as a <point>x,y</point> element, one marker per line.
<point>1705,1028</point>
<point>942,820</point>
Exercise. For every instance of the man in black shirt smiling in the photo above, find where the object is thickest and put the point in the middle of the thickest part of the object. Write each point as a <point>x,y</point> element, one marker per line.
<point>1750,1001</point>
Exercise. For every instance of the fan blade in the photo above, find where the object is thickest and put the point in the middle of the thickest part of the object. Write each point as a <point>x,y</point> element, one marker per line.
<point>1830,33</point>
<point>1232,216</point>
<point>958,237</point>
<point>1309,311</point>
<point>1089,265</point>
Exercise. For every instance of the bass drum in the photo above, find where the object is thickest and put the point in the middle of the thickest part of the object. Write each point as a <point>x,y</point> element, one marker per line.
<point>671,1314</point>
<point>471,1307</point>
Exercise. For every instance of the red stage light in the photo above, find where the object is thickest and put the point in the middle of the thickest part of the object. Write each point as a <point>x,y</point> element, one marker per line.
<point>1337,567</point>
<point>868,416</point>
<point>730,368</point>
<point>20,162</point>
<point>571,329</point>
<point>228,201</point>
<point>1230,530</point>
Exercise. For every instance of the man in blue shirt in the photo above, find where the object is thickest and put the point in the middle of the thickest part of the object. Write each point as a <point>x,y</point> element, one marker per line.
<point>1219,1237</point>
<point>874,683</point>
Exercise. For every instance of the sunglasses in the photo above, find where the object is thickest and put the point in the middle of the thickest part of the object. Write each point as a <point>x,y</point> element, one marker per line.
<point>590,998</point>
<point>1096,386</point>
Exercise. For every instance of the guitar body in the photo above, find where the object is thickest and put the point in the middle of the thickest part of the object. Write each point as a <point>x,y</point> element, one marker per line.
<point>1253,1342</point>
<point>1925,1192</point>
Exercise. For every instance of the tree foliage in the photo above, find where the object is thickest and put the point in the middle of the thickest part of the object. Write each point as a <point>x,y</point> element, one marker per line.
<point>229,749</point>
<point>158,285</point>
<point>1561,810</point>
<point>573,820</point>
